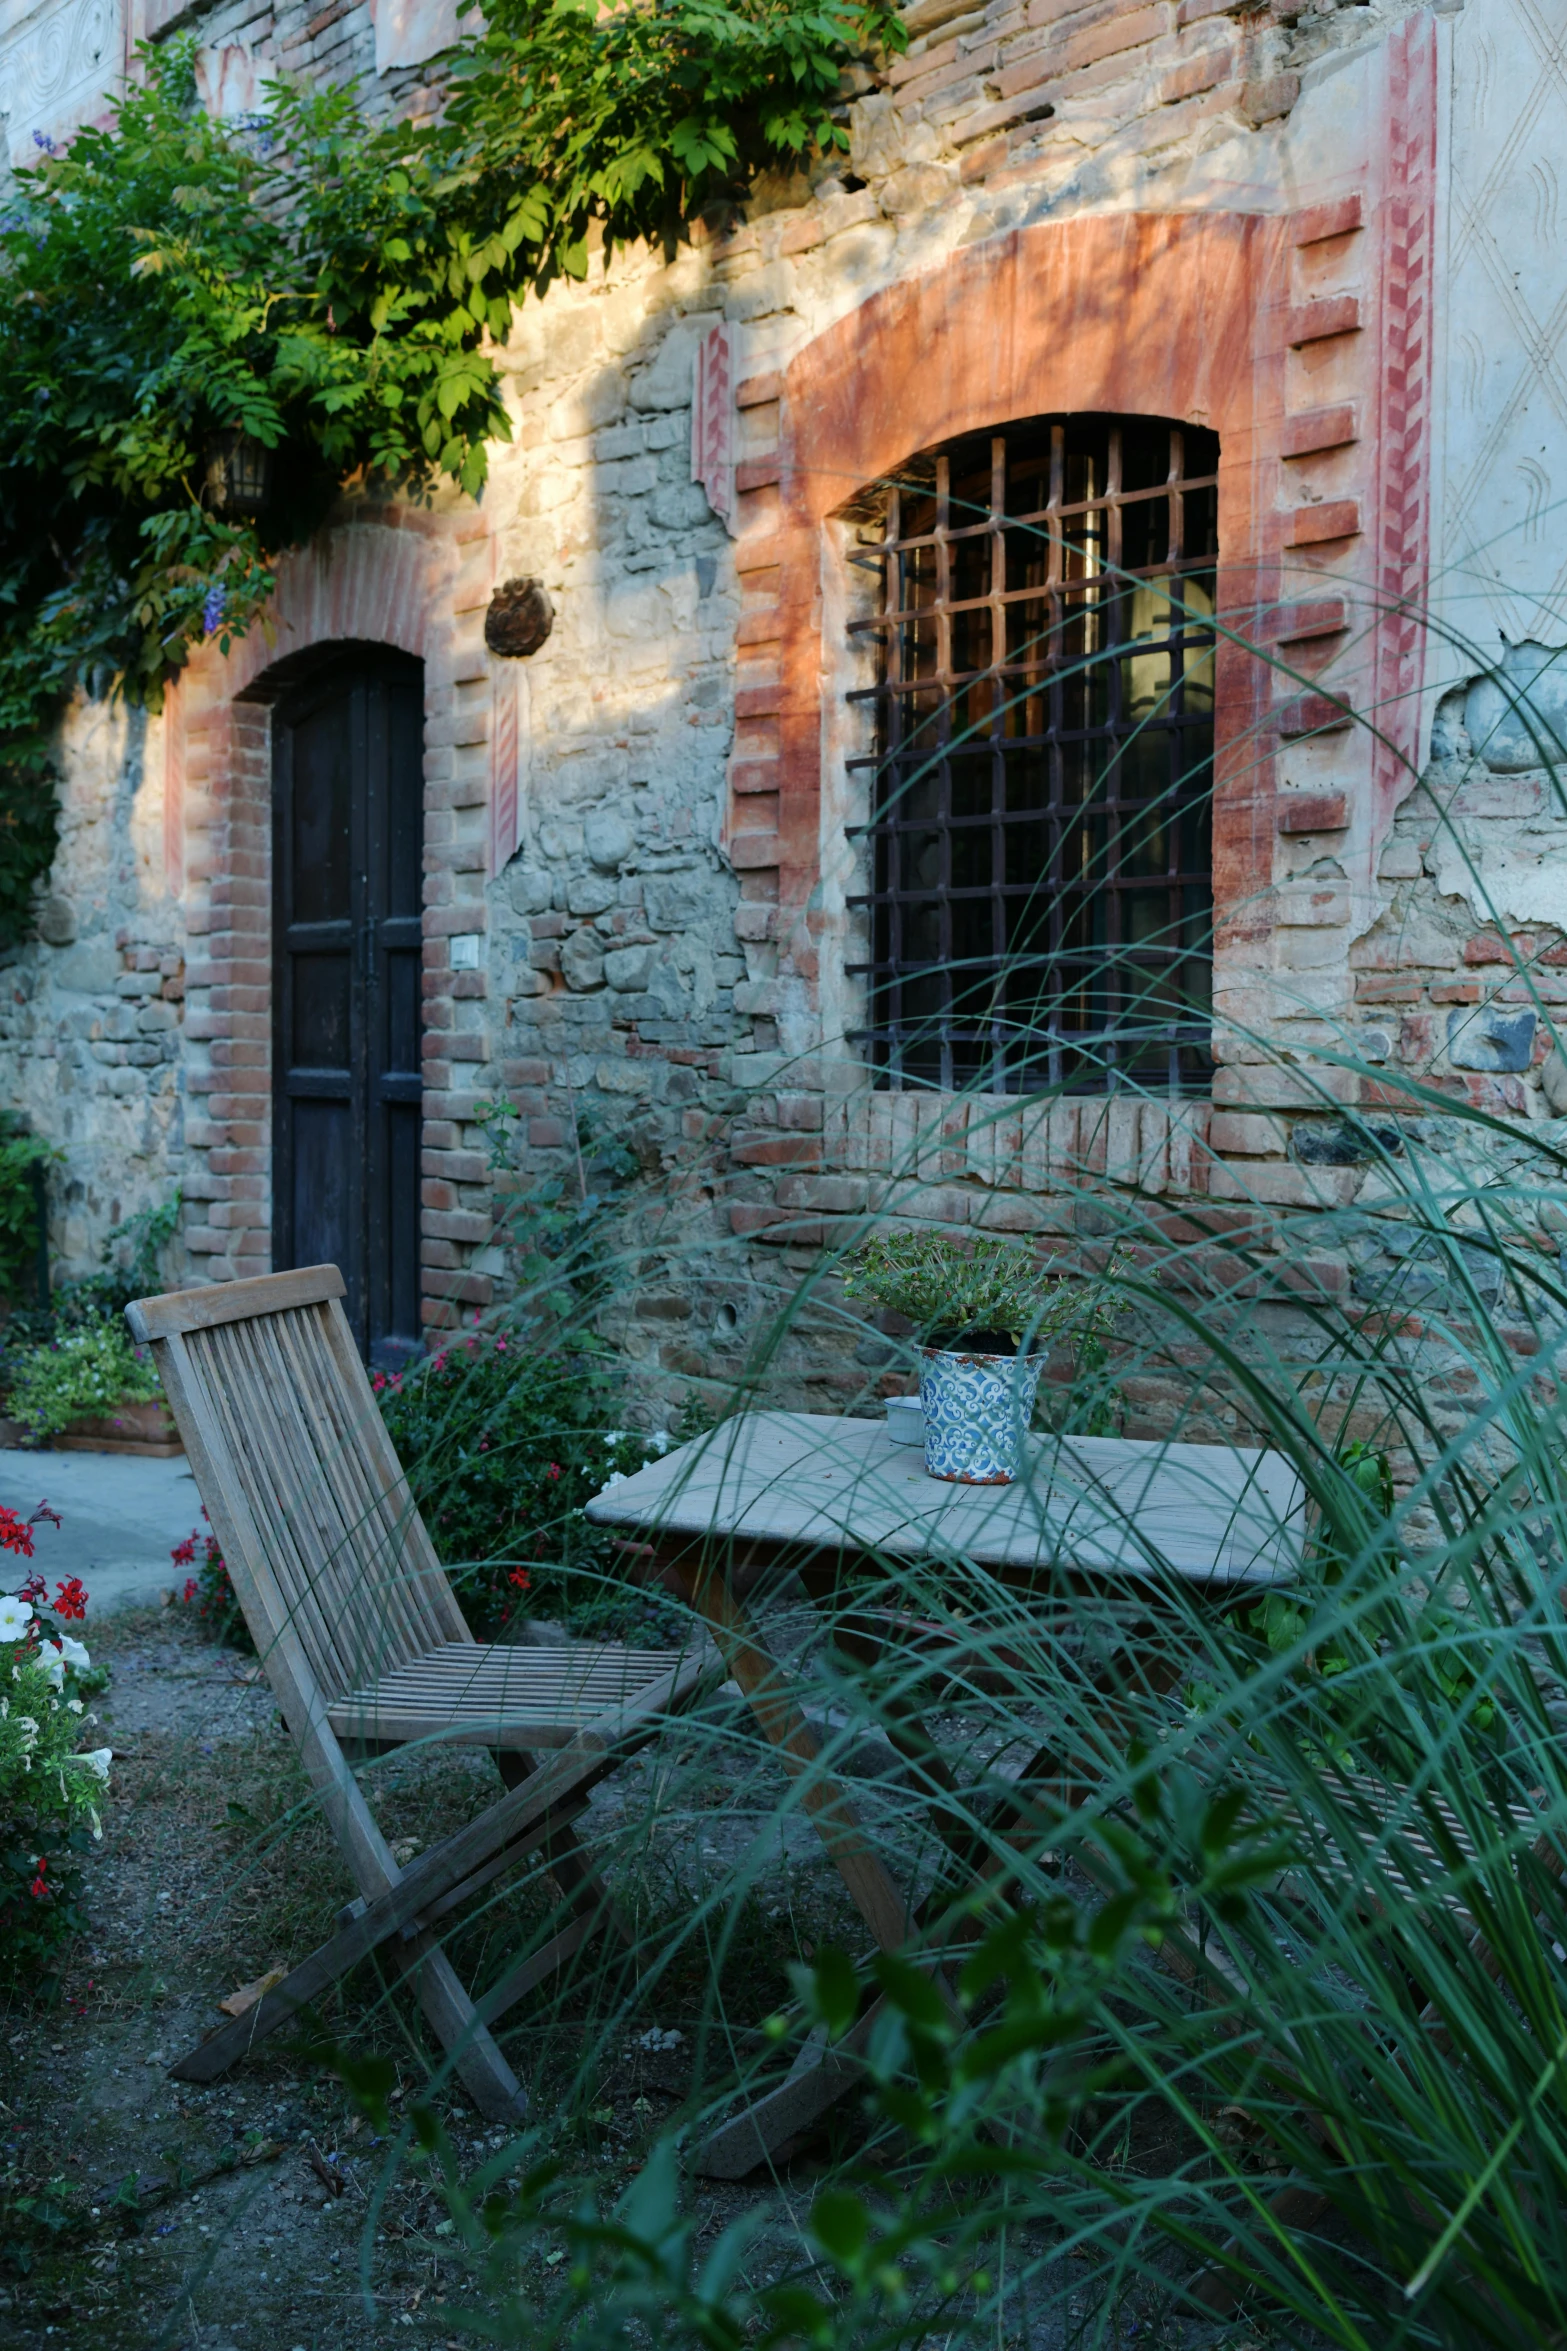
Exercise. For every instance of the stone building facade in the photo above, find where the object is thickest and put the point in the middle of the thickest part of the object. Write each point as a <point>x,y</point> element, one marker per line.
<point>1329,236</point>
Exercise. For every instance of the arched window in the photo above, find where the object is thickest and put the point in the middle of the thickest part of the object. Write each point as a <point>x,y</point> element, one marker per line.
<point>1039,873</point>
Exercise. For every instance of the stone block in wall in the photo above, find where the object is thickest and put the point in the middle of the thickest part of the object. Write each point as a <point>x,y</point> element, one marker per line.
<point>1344,1142</point>
<point>581,961</point>
<point>1490,1039</point>
<point>625,968</point>
<point>1247,1133</point>
<point>90,968</point>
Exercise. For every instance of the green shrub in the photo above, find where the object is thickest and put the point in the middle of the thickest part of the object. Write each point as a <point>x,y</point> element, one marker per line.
<point>210,1592</point>
<point>333,292</point>
<point>130,1266</point>
<point>91,1368</point>
<point>21,1155</point>
<point>504,1439</point>
<point>503,1442</point>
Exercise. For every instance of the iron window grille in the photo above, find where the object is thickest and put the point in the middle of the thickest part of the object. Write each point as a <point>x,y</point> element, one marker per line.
<point>1039,910</point>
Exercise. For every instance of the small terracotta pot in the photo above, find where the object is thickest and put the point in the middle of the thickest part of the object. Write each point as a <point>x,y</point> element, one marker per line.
<point>128,1428</point>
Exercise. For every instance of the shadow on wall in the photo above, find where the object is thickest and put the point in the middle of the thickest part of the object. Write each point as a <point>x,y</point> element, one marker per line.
<point>613,940</point>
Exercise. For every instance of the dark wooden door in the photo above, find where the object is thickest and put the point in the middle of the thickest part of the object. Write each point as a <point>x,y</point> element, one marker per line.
<point>348,829</point>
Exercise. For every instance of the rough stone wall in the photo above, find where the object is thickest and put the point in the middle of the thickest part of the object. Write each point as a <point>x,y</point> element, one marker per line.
<point>664,951</point>
<point>91,1017</point>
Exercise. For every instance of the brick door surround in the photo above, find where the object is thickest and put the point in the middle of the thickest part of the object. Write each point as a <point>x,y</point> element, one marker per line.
<point>392,577</point>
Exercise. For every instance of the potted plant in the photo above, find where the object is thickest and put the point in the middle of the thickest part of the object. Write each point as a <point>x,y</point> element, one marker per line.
<point>91,1390</point>
<point>983,1311</point>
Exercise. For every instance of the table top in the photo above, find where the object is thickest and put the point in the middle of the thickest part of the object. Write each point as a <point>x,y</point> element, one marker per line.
<point>1211,1514</point>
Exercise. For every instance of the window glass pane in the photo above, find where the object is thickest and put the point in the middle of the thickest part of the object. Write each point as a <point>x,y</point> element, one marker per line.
<point>1041,888</point>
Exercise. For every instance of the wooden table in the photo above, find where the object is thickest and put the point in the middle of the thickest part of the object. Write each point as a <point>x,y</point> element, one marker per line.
<point>831,1498</point>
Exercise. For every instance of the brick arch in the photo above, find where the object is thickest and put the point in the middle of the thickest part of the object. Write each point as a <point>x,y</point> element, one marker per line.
<point>1166,315</point>
<point>361,583</point>
<point>401,579</point>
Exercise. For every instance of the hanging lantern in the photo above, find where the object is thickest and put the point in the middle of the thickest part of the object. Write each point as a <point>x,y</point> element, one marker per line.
<point>239,474</point>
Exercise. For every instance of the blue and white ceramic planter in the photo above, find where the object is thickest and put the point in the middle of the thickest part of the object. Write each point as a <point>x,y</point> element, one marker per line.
<point>977,1410</point>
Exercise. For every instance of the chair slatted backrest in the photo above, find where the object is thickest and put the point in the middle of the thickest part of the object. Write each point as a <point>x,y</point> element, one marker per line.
<point>301,1481</point>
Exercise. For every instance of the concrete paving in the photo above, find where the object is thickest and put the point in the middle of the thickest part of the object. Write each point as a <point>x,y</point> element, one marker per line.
<point>120,1517</point>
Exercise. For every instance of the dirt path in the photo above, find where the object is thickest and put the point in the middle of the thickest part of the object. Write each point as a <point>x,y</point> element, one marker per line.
<point>265,2212</point>
<point>198,2218</point>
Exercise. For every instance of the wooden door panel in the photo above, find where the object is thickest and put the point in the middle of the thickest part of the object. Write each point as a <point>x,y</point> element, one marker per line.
<point>323,1187</point>
<point>322,1025</point>
<point>348,885</point>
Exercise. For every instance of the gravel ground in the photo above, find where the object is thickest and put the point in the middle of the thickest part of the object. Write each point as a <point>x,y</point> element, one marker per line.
<point>265,2212</point>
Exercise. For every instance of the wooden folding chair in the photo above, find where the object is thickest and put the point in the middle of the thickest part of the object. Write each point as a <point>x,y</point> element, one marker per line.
<point>366,1648</point>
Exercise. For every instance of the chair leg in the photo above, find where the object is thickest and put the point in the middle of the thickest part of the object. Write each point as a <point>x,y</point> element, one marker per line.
<point>1217,2290</point>
<point>475,2056</point>
<point>453,2017</point>
<point>822,2073</point>
<point>585,1891</point>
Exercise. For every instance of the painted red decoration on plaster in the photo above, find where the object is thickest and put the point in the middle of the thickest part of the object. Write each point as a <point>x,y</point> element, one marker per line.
<point>1403,547</point>
<point>713,423</point>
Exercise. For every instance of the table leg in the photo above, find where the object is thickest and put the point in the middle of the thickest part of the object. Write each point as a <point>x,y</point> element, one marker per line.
<point>822,2072</point>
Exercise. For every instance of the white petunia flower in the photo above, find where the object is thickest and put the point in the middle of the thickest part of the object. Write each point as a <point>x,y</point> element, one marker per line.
<point>617,1478</point>
<point>15,1617</point>
<point>73,1706</point>
<point>74,1652</point>
<point>658,1441</point>
<point>98,1760</point>
<point>27,1724</point>
<point>53,1664</point>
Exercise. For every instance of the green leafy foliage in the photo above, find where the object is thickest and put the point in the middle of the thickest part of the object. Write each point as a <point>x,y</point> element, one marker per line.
<point>49,1795</point>
<point>89,1368</point>
<point>566,118</point>
<point>130,1264</point>
<point>326,290</point>
<point>166,282</point>
<point>20,1155</point>
<point>503,1440</point>
<point>949,1288</point>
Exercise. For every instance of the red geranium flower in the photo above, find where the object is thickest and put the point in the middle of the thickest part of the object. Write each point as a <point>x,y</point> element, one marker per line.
<point>38,1889</point>
<point>70,1600</point>
<point>521,1578</point>
<point>15,1533</point>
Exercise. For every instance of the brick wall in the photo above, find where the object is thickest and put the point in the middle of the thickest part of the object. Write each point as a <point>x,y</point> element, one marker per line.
<point>1221,214</point>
